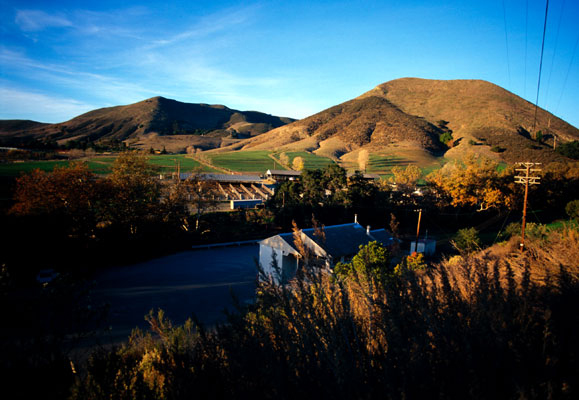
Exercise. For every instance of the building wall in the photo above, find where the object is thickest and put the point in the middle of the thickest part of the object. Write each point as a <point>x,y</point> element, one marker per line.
<point>287,264</point>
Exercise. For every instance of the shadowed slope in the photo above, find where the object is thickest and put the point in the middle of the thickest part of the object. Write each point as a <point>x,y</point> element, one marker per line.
<point>157,115</point>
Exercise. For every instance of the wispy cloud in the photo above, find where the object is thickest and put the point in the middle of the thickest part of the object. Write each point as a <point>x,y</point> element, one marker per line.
<point>16,104</point>
<point>37,20</point>
<point>223,21</point>
<point>116,58</point>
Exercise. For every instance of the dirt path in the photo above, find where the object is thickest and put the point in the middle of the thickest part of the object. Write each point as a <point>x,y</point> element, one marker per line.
<point>202,160</point>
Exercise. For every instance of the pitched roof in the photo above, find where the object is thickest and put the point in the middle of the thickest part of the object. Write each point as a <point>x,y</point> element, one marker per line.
<point>383,236</point>
<point>340,240</point>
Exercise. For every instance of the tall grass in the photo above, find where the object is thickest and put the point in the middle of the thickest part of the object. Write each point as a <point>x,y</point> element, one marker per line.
<point>497,324</point>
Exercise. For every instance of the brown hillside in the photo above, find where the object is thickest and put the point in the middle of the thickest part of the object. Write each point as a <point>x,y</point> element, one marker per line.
<point>199,124</point>
<point>372,122</point>
<point>408,114</point>
<point>479,111</point>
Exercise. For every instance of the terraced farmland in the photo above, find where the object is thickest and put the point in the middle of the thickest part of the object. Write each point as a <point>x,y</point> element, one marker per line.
<point>311,161</point>
<point>244,161</point>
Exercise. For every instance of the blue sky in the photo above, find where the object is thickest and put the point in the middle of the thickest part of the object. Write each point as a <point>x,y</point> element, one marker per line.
<point>60,58</point>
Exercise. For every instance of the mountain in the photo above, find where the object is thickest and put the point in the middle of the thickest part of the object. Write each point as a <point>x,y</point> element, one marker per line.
<point>409,115</point>
<point>156,120</point>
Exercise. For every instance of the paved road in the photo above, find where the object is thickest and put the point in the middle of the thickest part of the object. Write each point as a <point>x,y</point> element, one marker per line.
<point>198,281</point>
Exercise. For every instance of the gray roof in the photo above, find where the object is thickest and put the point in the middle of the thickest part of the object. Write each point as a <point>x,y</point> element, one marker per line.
<point>283,172</point>
<point>341,240</point>
<point>225,177</point>
<point>383,236</point>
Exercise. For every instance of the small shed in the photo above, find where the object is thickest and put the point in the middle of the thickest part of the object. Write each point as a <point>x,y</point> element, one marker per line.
<point>425,246</point>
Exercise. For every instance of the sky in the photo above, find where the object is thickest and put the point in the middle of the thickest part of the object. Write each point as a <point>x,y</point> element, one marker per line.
<point>60,58</point>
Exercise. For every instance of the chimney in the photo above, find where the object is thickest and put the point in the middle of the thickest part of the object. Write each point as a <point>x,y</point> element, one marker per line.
<point>368,230</point>
<point>355,218</point>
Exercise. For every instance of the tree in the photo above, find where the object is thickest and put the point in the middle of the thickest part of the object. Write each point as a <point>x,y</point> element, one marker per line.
<point>132,192</point>
<point>201,195</point>
<point>284,160</point>
<point>68,193</point>
<point>313,190</point>
<point>363,158</point>
<point>298,163</point>
<point>335,180</point>
<point>372,261</point>
<point>472,182</point>
<point>406,178</point>
<point>361,192</point>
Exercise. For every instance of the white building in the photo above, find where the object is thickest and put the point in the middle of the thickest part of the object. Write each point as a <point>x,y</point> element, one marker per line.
<point>338,243</point>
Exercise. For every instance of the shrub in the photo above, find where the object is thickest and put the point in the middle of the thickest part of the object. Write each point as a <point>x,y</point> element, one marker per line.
<point>572,210</point>
<point>445,137</point>
<point>532,230</point>
<point>570,149</point>
<point>466,240</point>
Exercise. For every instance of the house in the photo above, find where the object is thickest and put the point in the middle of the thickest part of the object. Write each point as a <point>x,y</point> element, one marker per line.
<point>332,243</point>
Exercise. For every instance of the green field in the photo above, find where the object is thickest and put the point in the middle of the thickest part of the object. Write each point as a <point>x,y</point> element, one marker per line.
<point>168,163</point>
<point>18,168</point>
<point>244,161</point>
<point>381,164</point>
<point>311,160</point>
<point>103,165</point>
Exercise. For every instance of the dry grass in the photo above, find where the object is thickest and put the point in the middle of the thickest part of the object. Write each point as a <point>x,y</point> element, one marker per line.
<point>155,115</point>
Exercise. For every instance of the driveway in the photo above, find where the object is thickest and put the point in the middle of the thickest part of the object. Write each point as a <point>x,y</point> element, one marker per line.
<point>197,281</point>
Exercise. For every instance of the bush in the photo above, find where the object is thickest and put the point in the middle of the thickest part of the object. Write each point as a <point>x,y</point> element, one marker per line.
<point>572,210</point>
<point>497,149</point>
<point>570,149</point>
<point>532,230</point>
<point>467,240</point>
<point>445,137</point>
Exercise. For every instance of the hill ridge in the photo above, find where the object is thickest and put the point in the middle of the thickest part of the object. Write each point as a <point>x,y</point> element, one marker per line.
<point>157,117</point>
<point>482,117</point>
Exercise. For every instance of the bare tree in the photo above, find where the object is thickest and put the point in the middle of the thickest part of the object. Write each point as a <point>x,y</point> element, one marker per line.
<point>363,158</point>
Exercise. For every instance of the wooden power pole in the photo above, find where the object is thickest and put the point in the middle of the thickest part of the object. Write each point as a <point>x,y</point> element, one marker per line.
<point>526,180</point>
<point>418,229</point>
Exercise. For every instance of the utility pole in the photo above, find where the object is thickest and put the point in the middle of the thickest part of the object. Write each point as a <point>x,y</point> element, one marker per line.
<point>418,229</point>
<point>526,180</point>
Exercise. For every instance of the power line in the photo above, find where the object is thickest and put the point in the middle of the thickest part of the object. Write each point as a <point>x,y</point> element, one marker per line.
<point>554,52</point>
<point>541,64</point>
<point>507,43</point>
<point>526,44</point>
<point>567,75</point>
